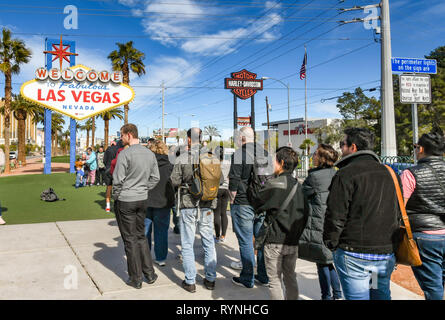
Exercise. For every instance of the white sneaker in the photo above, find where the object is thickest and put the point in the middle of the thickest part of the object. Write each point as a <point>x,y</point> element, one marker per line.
<point>2,222</point>
<point>237,265</point>
<point>160,263</point>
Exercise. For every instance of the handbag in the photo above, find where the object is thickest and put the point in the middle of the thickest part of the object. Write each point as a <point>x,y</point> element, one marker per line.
<point>407,252</point>
<point>265,227</point>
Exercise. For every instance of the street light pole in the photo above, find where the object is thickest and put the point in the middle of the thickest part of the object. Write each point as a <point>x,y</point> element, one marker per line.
<point>288,107</point>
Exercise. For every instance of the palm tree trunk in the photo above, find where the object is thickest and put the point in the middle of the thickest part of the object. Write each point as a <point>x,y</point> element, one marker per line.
<point>106,127</point>
<point>7,117</point>
<point>21,117</point>
<point>93,129</point>
<point>126,75</point>
<point>88,139</point>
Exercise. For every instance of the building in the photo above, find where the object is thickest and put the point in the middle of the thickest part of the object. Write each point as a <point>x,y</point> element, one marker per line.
<point>297,131</point>
<point>30,125</point>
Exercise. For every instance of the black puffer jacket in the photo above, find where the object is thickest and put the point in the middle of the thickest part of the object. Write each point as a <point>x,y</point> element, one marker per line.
<point>288,224</point>
<point>163,195</point>
<point>363,213</point>
<point>316,189</point>
<point>426,206</point>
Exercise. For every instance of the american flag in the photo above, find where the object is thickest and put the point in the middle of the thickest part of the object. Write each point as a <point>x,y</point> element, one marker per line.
<point>303,67</point>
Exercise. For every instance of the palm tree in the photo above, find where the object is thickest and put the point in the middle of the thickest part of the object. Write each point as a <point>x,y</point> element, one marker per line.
<point>22,108</point>
<point>127,59</point>
<point>66,134</point>
<point>93,129</point>
<point>13,53</point>
<point>87,127</point>
<point>107,116</point>
<point>211,131</point>
<point>306,145</point>
<point>57,123</point>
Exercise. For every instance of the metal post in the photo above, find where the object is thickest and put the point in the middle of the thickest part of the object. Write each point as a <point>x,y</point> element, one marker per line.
<point>415,128</point>
<point>162,133</point>
<point>389,146</point>
<point>268,127</point>
<point>288,117</point>
<point>252,113</point>
<point>48,146</point>
<point>306,162</point>
<point>235,119</point>
<point>72,144</point>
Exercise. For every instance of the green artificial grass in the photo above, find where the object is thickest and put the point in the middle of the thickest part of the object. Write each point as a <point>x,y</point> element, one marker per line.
<point>20,199</point>
<point>61,159</point>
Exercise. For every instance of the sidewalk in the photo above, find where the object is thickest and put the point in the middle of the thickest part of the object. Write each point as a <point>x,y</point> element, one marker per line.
<point>35,166</point>
<point>41,261</point>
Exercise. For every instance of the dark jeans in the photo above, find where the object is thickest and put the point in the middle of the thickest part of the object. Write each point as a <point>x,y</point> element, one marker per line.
<point>260,262</point>
<point>159,220</point>
<point>100,176</point>
<point>130,218</point>
<point>431,274</point>
<point>220,213</point>
<point>328,277</point>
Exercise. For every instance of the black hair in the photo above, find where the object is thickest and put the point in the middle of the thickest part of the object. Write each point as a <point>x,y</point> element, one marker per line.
<point>361,137</point>
<point>151,139</point>
<point>289,157</point>
<point>219,152</point>
<point>433,143</point>
<point>90,149</point>
<point>195,131</point>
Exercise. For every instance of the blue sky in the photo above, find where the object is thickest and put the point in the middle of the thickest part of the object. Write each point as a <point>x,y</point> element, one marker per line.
<point>197,43</point>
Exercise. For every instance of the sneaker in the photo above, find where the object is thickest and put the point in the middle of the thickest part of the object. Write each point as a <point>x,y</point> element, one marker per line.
<point>134,284</point>
<point>237,265</point>
<point>152,279</point>
<point>107,209</point>
<point>237,281</point>
<point>210,285</point>
<point>189,287</point>
<point>222,239</point>
<point>104,184</point>
<point>160,263</point>
<point>97,184</point>
<point>216,239</point>
<point>2,222</point>
<point>260,283</point>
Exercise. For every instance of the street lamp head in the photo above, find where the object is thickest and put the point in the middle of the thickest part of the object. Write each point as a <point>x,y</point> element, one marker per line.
<point>264,78</point>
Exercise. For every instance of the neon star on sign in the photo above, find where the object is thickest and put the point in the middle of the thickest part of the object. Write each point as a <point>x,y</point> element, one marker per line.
<point>78,92</point>
<point>60,52</point>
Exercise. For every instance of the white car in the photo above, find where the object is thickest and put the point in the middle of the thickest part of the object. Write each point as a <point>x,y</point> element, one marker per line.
<point>12,155</point>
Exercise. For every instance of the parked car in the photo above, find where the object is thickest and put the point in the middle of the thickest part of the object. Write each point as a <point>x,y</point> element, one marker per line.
<point>12,155</point>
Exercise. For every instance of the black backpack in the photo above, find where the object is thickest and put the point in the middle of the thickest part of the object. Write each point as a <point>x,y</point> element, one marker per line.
<point>262,172</point>
<point>49,195</point>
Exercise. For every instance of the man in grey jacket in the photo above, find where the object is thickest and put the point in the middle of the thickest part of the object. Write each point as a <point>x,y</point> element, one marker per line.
<point>192,212</point>
<point>136,173</point>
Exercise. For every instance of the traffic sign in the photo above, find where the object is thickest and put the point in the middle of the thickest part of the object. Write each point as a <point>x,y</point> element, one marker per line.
<point>413,65</point>
<point>415,88</point>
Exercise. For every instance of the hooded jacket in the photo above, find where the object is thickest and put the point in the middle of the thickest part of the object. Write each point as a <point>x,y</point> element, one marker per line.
<point>163,195</point>
<point>362,212</point>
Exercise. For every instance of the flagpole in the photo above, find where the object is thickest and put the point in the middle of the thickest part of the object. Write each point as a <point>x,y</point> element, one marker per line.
<point>305,110</point>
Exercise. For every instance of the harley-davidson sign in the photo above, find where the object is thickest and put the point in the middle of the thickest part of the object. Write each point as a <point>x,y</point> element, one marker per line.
<point>244,84</point>
<point>78,92</point>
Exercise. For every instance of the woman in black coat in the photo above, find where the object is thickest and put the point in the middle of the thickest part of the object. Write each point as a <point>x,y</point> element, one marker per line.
<point>160,201</point>
<point>311,247</point>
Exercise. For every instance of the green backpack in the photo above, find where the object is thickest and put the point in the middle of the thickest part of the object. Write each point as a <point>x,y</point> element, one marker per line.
<point>206,177</point>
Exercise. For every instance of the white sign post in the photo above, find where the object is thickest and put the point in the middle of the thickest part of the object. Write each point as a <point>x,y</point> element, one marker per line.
<point>415,89</point>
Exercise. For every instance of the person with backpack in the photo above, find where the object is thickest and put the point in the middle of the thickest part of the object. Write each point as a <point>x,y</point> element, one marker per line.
<point>311,247</point>
<point>244,218</point>
<point>286,210</point>
<point>160,201</point>
<point>197,175</point>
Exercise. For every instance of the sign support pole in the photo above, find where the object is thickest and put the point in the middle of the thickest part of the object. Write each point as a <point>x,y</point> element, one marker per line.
<point>252,113</point>
<point>235,118</point>
<point>415,129</point>
<point>47,120</point>
<point>72,120</point>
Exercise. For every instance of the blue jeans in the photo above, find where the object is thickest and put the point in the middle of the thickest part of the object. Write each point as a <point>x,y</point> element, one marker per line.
<point>243,222</point>
<point>261,265</point>
<point>188,221</point>
<point>431,274</point>
<point>328,277</point>
<point>159,220</point>
<point>364,279</point>
<point>78,183</point>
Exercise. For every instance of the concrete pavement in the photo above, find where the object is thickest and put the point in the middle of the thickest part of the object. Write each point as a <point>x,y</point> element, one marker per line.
<point>86,260</point>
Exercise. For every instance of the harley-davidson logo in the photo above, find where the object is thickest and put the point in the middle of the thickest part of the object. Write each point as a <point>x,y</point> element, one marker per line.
<point>244,84</point>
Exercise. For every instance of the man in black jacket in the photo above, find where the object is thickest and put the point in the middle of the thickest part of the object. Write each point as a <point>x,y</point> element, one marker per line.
<point>424,193</point>
<point>285,225</point>
<point>362,220</point>
<point>243,216</point>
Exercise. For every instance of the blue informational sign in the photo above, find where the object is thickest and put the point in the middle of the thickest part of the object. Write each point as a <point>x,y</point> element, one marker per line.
<point>413,65</point>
